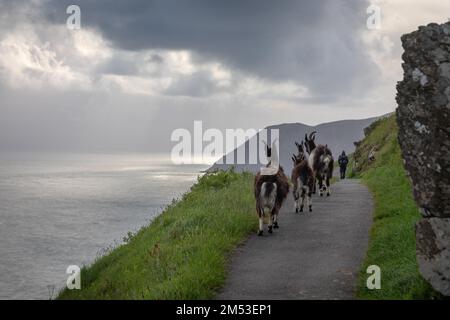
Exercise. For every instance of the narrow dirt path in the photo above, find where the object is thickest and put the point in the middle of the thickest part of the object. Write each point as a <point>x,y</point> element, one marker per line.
<point>313,255</point>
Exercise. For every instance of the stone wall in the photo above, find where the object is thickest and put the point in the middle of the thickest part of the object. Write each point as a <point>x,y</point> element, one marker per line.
<point>423,117</point>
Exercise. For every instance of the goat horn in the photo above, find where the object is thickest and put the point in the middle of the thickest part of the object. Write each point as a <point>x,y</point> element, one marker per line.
<point>311,135</point>
<point>268,151</point>
<point>275,140</point>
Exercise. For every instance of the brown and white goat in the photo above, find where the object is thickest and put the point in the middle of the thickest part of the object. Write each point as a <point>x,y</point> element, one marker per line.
<point>270,192</point>
<point>302,179</point>
<point>321,162</point>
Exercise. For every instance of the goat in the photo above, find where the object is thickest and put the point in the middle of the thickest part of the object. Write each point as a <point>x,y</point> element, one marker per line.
<point>371,155</point>
<point>271,189</point>
<point>303,180</point>
<point>321,162</point>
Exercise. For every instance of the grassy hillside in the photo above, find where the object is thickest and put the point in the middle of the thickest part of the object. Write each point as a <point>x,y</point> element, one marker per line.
<point>182,254</point>
<point>392,237</point>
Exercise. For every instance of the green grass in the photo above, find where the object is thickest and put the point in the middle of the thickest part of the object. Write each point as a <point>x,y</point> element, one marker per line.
<point>182,254</point>
<point>392,237</point>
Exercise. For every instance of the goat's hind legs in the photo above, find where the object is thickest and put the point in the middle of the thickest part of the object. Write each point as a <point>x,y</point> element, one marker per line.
<point>275,221</point>
<point>321,187</point>
<point>309,201</point>
<point>269,227</point>
<point>261,223</point>
<point>296,199</point>
<point>302,201</point>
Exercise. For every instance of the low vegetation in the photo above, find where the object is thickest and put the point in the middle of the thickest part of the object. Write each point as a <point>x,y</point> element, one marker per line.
<point>183,253</point>
<point>392,237</point>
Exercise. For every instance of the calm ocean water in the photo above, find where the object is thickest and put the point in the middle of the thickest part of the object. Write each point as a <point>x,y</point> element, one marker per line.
<point>58,210</point>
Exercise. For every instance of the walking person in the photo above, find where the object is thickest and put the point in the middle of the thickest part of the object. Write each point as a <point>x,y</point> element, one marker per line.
<point>343,161</point>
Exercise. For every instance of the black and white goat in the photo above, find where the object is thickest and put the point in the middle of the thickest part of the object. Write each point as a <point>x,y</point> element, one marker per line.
<point>271,188</point>
<point>321,162</point>
<point>302,179</point>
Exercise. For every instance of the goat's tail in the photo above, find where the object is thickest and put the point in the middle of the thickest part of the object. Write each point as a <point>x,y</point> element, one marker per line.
<point>268,196</point>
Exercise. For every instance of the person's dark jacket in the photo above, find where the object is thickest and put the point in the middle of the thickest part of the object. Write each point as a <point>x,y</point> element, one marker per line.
<point>343,160</point>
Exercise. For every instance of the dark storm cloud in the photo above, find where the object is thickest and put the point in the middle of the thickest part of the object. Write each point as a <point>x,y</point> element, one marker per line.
<point>199,84</point>
<point>314,43</point>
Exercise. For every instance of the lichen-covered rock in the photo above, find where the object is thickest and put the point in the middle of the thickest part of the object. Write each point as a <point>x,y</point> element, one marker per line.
<point>423,117</point>
<point>433,255</point>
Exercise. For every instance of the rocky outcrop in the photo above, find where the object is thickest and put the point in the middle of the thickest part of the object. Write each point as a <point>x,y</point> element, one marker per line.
<point>423,117</point>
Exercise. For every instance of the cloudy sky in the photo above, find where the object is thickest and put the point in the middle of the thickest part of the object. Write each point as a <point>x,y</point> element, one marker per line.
<point>138,69</point>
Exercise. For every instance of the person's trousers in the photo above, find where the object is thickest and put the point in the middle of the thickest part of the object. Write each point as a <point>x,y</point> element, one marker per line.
<point>343,172</point>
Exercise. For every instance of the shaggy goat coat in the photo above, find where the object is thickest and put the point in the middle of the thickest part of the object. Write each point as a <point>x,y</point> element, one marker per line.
<point>303,180</point>
<point>270,192</point>
<point>277,184</point>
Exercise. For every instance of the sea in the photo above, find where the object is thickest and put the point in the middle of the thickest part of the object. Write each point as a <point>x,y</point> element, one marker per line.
<point>58,210</point>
